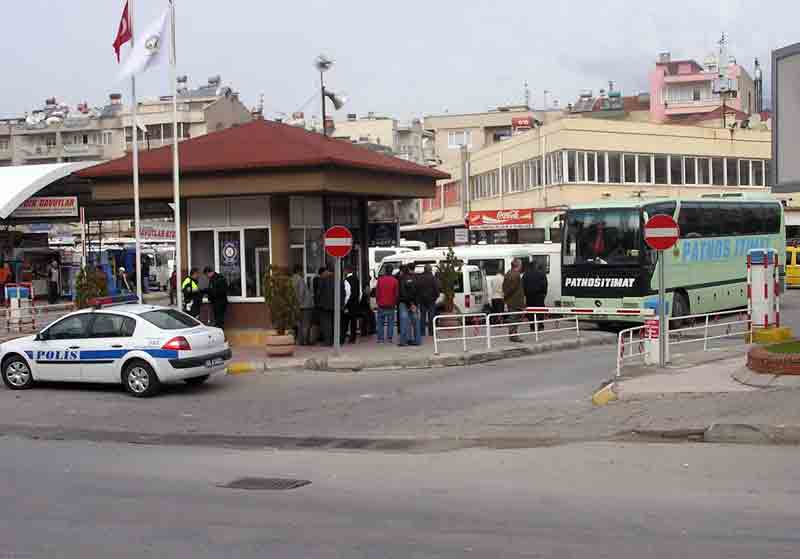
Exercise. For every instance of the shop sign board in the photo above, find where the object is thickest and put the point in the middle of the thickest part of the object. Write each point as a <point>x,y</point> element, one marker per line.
<point>486,220</point>
<point>47,206</point>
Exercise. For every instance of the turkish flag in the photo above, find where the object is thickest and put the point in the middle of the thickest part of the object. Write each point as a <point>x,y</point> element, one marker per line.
<point>124,33</point>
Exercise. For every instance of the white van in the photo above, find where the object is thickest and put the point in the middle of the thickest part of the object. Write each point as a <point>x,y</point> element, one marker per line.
<point>471,294</point>
<point>413,245</point>
<point>493,258</point>
<point>471,291</point>
<point>377,254</point>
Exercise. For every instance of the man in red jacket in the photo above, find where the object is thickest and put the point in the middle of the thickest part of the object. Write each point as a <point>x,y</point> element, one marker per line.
<point>386,294</point>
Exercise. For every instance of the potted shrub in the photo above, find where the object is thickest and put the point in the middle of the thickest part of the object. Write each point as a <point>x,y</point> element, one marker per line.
<point>281,301</point>
<point>88,286</point>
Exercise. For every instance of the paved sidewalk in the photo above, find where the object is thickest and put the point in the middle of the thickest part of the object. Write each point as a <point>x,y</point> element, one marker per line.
<point>690,378</point>
<point>366,353</point>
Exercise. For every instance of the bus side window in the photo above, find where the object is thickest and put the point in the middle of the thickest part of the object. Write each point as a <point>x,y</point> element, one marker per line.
<point>690,220</point>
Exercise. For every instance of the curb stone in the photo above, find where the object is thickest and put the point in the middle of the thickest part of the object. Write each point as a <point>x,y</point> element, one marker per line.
<point>745,376</point>
<point>346,364</point>
<point>743,433</point>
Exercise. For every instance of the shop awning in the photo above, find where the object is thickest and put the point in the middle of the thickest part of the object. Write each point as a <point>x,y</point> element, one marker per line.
<point>18,183</point>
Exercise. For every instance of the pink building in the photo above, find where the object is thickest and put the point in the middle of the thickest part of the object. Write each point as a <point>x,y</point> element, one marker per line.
<point>683,90</point>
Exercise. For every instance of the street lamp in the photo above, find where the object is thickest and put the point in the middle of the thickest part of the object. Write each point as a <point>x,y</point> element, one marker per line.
<point>323,64</point>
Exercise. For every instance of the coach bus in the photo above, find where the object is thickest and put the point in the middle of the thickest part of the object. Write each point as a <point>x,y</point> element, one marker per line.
<point>606,263</point>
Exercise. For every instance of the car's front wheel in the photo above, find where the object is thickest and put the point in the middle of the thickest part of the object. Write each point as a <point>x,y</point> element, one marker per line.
<point>140,379</point>
<point>17,373</point>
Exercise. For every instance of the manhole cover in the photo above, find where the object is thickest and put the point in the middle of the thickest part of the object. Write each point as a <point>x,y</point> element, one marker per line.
<point>266,483</point>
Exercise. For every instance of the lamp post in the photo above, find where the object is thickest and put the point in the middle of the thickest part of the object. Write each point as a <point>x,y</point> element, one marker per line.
<point>323,64</point>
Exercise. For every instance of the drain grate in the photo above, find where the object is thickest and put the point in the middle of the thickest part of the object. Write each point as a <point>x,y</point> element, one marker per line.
<point>266,483</point>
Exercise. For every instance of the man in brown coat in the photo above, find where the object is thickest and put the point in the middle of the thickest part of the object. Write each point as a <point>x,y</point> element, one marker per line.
<point>514,297</point>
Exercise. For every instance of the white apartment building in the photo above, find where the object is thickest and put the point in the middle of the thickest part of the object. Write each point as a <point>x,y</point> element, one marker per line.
<point>57,133</point>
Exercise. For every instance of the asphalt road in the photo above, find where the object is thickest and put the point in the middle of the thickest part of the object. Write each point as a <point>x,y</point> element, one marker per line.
<point>76,499</point>
<point>458,401</point>
<point>543,397</point>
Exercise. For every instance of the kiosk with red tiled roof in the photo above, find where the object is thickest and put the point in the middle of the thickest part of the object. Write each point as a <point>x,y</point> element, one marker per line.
<point>262,194</point>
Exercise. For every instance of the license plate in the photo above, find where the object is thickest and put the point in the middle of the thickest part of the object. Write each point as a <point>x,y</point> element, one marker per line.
<point>211,363</point>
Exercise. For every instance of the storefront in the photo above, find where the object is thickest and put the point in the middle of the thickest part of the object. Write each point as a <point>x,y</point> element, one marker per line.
<point>492,227</point>
<point>261,195</point>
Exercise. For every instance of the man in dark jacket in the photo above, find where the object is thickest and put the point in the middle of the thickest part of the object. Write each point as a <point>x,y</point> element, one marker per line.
<point>428,292</point>
<point>351,304</point>
<point>217,293</point>
<point>534,282</point>
<point>326,305</point>
<point>409,308</point>
<point>514,298</point>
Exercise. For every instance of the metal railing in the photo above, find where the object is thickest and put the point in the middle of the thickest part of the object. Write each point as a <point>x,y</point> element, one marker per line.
<point>31,318</point>
<point>538,325</point>
<point>476,322</point>
<point>709,324</point>
<point>635,339</point>
<point>631,343</point>
<point>484,327</point>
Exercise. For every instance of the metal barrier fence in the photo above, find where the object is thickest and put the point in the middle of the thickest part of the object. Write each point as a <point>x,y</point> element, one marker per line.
<point>636,338</point>
<point>710,322</point>
<point>539,325</point>
<point>631,342</point>
<point>477,322</point>
<point>482,325</point>
<point>31,319</point>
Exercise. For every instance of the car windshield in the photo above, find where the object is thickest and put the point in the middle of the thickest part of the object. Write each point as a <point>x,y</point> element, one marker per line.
<point>603,236</point>
<point>170,319</point>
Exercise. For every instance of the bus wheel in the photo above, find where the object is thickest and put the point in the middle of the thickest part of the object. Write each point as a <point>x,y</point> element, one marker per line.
<point>680,307</point>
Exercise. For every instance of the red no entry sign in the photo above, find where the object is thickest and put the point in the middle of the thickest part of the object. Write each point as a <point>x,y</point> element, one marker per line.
<point>661,232</point>
<point>338,241</point>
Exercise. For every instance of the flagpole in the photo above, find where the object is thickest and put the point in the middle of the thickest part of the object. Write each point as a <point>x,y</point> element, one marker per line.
<point>135,138</point>
<point>176,188</point>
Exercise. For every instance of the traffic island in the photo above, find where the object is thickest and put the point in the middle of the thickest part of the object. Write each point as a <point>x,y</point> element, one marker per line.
<point>776,359</point>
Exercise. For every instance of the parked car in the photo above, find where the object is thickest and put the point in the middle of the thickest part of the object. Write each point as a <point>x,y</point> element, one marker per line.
<point>139,346</point>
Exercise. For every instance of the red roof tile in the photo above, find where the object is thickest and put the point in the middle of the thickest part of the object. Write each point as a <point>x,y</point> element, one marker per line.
<point>259,145</point>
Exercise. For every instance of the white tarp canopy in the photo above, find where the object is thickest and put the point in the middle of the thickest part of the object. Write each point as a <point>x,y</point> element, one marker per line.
<point>18,183</point>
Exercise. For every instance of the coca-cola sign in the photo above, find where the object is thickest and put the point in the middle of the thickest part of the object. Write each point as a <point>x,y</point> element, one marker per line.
<point>501,219</point>
<point>518,122</point>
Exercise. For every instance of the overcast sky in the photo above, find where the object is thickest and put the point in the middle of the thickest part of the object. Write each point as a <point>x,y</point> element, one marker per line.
<point>402,58</point>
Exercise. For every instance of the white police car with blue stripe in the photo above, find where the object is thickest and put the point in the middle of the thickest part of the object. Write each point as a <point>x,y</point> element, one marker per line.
<point>140,346</point>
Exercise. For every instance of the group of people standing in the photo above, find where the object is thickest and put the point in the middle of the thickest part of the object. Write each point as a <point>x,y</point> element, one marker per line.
<point>409,296</point>
<point>317,306</point>
<point>216,292</point>
<point>515,291</point>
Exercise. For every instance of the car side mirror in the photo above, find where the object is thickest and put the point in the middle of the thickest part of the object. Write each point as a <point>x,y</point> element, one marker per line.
<point>41,336</point>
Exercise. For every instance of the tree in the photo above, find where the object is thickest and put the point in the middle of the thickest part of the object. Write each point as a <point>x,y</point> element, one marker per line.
<point>449,274</point>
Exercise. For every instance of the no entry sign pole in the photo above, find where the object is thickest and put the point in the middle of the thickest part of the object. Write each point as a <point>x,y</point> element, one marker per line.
<point>338,244</point>
<point>661,233</point>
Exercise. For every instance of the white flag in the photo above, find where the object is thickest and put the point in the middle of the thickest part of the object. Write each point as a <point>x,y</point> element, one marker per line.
<point>151,49</point>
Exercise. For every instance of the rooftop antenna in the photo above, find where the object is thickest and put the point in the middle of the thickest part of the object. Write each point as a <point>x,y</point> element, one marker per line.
<point>722,61</point>
<point>527,95</point>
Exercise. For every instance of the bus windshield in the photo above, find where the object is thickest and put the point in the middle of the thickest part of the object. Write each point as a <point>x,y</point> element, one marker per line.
<point>603,236</point>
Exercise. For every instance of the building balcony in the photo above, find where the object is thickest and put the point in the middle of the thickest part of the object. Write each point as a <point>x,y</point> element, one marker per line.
<point>41,152</point>
<point>683,107</point>
<point>690,78</point>
<point>93,150</point>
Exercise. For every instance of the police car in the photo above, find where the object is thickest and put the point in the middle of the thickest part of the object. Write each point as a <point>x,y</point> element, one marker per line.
<point>118,340</point>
